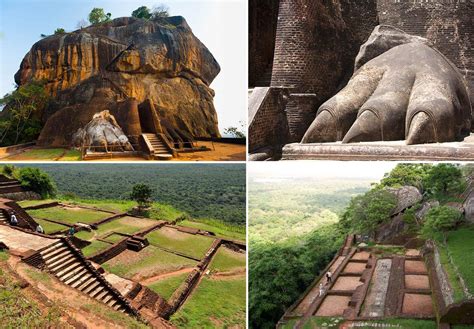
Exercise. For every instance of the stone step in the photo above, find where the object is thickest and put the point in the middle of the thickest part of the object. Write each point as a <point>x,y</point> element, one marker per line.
<point>64,274</point>
<point>112,302</point>
<point>61,256</point>
<point>83,286</point>
<point>51,247</point>
<point>77,277</point>
<point>107,298</point>
<point>96,291</point>
<point>54,252</point>
<point>82,280</point>
<point>91,287</point>
<point>62,264</point>
<point>102,294</point>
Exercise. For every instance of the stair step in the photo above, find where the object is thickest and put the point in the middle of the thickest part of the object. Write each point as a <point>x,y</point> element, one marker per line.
<point>51,247</point>
<point>112,302</point>
<point>64,274</point>
<point>107,298</point>
<point>117,307</point>
<point>62,255</point>
<point>82,280</point>
<point>96,291</point>
<point>87,283</point>
<point>91,287</point>
<point>102,294</point>
<point>54,252</point>
<point>62,264</point>
<point>77,277</point>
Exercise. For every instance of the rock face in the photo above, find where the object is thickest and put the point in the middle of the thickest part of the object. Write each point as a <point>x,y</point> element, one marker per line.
<point>135,68</point>
<point>402,90</point>
<point>102,133</point>
<point>407,196</point>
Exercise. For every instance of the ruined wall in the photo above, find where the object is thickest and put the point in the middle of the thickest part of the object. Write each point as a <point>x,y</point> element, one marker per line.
<point>263,15</point>
<point>448,24</point>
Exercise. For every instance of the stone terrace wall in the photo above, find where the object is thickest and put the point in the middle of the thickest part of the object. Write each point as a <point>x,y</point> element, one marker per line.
<point>263,16</point>
<point>448,24</point>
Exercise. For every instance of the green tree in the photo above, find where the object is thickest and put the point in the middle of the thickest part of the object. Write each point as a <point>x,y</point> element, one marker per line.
<point>141,193</point>
<point>98,16</point>
<point>406,174</point>
<point>441,219</point>
<point>444,179</point>
<point>366,212</point>
<point>234,132</point>
<point>8,170</point>
<point>142,12</point>
<point>23,107</point>
<point>59,30</point>
<point>159,12</point>
<point>37,181</point>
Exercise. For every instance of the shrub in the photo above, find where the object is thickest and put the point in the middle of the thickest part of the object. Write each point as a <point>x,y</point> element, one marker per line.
<point>37,181</point>
<point>441,219</point>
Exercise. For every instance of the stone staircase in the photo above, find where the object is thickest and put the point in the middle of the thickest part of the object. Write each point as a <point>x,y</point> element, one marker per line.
<point>69,267</point>
<point>3,217</point>
<point>8,185</point>
<point>160,150</point>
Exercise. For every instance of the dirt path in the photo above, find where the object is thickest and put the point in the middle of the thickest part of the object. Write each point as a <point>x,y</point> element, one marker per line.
<point>228,275</point>
<point>166,275</point>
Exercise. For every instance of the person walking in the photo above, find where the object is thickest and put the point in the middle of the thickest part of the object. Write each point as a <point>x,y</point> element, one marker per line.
<point>13,220</point>
<point>39,229</point>
<point>321,289</point>
<point>71,230</point>
<point>329,277</point>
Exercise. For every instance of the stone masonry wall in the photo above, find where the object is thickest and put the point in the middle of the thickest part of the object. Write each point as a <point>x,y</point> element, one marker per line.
<point>448,24</point>
<point>263,16</point>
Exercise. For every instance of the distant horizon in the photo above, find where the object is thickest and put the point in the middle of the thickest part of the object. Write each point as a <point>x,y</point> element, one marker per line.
<point>225,44</point>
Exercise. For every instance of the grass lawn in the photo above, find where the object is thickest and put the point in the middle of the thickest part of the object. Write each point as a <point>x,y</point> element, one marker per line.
<point>166,287</point>
<point>114,238</point>
<point>85,235</point>
<point>95,247</point>
<point>147,262</point>
<point>125,225</point>
<point>108,205</point>
<point>191,245</point>
<point>71,155</point>
<point>27,203</point>
<point>38,154</point>
<point>214,304</point>
<point>49,227</point>
<point>219,228</point>
<point>69,216</point>
<point>227,260</point>
<point>460,244</point>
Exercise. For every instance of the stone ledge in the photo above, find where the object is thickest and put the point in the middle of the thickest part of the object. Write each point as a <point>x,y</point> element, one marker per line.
<point>457,151</point>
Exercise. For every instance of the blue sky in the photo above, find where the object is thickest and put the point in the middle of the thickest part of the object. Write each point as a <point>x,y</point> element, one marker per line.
<point>220,24</point>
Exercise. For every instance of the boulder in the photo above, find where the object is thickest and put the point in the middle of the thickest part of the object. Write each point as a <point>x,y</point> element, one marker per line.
<point>425,207</point>
<point>407,197</point>
<point>150,61</point>
<point>102,133</point>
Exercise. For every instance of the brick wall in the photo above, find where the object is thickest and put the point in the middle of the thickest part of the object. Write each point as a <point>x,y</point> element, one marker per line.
<point>268,125</point>
<point>448,24</point>
<point>263,16</point>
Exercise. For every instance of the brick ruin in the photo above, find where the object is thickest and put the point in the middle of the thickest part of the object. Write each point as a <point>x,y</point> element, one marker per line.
<point>308,49</point>
<point>61,256</point>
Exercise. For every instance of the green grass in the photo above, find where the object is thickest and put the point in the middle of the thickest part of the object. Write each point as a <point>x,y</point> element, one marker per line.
<point>49,227</point>
<point>118,318</point>
<point>453,280</point>
<point>166,287</point>
<point>17,310</point>
<point>227,260</point>
<point>38,154</point>
<point>114,238</point>
<point>150,259</point>
<point>191,245</point>
<point>69,216</point>
<point>108,205</point>
<point>71,155</point>
<point>460,244</point>
<point>95,247</point>
<point>121,225</point>
<point>84,235</point>
<point>4,255</point>
<point>214,304</point>
<point>27,203</point>
<point>220,228</point>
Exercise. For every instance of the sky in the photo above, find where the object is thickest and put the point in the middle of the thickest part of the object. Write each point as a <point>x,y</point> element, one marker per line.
<point>220,24</point>
<point>369,170</point>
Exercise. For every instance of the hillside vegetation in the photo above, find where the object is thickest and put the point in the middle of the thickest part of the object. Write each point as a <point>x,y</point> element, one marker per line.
<point>203,191</point>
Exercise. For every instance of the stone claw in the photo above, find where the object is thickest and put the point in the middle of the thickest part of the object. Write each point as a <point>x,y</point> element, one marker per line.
<point>421,130</point>
<point>323,129</point>
<point>367,127</point>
